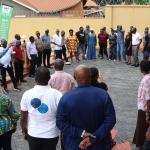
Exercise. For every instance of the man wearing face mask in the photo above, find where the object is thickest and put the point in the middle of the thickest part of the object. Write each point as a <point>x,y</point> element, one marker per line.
<point>146,44</point>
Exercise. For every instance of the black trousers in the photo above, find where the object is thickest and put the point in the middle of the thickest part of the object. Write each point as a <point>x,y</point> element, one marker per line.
<point>19,71</point>
<point>39,62</point>
<point>103,50</point>
<point>58,54</point>
<point>5,141</point>
<point>10,71</point>
<point>33,63</point>
<point>64,53</point>
<point>46,56</point>
<point>42,144</point>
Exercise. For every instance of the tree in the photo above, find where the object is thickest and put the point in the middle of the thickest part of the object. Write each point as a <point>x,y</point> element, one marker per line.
<point>140,2</point>
<point>112,2</point>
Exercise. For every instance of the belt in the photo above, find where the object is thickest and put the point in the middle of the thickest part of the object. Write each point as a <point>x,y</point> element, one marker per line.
<point>135,45</point>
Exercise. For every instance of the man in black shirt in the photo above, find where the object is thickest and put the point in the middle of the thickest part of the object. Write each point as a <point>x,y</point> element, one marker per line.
<point>82,39</point>
<point>146,48</point>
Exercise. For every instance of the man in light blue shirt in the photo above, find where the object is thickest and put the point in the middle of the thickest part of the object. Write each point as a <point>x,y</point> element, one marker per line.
<point>47,48</point>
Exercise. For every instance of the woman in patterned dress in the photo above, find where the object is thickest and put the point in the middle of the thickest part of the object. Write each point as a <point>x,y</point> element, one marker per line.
<point>71,44</point>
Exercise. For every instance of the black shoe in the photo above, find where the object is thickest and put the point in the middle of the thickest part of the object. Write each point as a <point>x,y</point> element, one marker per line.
<point>31,76</point>
<point>133,65</point>
<point>137,65</point>
<point>24,81</point>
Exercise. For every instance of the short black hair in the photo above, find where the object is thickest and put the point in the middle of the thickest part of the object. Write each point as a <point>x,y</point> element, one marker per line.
<point>31,38</point>
<point>81,28</point>
<point>17,37</point>
<point>42,76</point>
<point>145,66</point>
<point>94,74</point>
<point>71,30</point>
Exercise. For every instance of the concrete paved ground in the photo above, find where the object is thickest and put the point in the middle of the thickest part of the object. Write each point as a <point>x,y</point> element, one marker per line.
<point>123,84</point>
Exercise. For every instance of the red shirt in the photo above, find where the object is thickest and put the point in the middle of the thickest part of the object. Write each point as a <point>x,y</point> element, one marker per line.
<point>103,37</point>
<point>18,54</point>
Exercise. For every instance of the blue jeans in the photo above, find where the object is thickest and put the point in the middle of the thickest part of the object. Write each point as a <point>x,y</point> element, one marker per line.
<point>146,146</point>
<point>120,51</point>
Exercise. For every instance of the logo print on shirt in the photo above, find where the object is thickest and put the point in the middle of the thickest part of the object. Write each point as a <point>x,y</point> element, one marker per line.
<point>35,103</point>
<point>41,107</point>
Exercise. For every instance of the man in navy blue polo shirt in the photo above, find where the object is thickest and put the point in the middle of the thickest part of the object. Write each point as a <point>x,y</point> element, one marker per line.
<point>86,115</point>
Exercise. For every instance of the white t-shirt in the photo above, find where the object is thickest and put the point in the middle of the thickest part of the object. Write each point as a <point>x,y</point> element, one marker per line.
<point>31,49</point>
<point>6,59</point>
<point>136,38</point>
<point>41,103</point>
<point>58,40</point>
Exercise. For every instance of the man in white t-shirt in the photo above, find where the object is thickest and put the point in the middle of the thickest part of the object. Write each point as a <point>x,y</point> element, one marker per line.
<point>136,42</point>
<point>57,41</point>
<point>38,113</point>
<point>32,54</point>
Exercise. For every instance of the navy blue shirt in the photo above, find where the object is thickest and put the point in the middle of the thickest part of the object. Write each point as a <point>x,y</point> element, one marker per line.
<point>86,108</point>
<point>147,41</point>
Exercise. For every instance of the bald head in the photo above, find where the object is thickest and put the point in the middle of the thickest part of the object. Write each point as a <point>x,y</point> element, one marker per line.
<point>59,64</point>
<point>82,75</point>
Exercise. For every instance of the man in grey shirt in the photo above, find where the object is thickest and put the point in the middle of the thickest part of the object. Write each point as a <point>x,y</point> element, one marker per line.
<point>47,48</point>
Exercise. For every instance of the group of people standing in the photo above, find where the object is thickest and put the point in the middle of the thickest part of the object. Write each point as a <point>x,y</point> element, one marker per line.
<point>82,126</point>
<point>12,61</point>
<point>40,47</point>
<point>123,47</point>
<point>115,46</point>
<point>49,108</point>
<point>55,103</point>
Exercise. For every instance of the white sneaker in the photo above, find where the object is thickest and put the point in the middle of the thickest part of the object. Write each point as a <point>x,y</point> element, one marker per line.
<point>17,89</point>
<point>68,63</point>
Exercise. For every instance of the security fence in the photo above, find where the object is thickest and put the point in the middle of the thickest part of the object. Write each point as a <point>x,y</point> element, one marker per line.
<point>85,13</point>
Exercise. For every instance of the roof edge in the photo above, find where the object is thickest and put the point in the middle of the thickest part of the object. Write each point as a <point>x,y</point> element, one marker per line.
<point>58,10</point>
<point>22,4</point>
<point>70,6</point>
